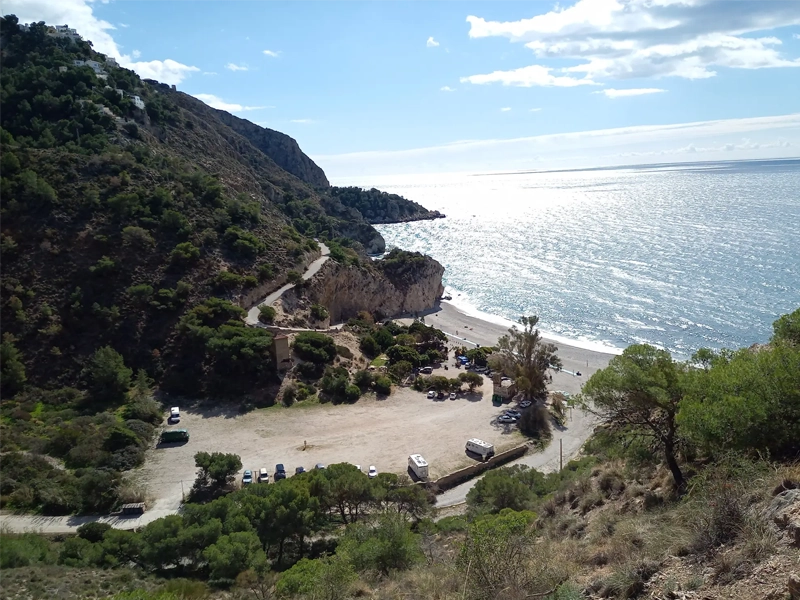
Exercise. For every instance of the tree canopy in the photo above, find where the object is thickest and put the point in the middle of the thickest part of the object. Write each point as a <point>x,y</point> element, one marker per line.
<point>523,355</point>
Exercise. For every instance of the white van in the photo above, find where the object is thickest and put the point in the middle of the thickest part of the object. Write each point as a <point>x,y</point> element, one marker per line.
<point>418,465</point>
<point>483,449</point>
<point>174,414</point>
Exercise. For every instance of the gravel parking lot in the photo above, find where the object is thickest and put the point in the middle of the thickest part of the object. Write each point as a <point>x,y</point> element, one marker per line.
<point>370,432</point>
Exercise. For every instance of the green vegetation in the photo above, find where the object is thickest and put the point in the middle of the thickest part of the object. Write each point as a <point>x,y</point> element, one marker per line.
<point>523,356</point>
<point>317,348</point>
<point>381,207</point>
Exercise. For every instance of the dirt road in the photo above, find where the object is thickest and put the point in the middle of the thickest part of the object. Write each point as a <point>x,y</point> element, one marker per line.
<point>313,268</point>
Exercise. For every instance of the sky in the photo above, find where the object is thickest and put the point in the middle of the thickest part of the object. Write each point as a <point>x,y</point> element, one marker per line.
<point>382,87</point>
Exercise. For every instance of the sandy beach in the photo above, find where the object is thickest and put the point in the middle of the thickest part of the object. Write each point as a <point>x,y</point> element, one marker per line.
<point>472,330</point>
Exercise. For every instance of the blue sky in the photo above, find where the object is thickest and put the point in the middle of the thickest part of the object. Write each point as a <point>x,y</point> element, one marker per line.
<point>373,87</point>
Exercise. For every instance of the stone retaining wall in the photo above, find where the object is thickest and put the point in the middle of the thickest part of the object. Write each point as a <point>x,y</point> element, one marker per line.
<point>457,477</point>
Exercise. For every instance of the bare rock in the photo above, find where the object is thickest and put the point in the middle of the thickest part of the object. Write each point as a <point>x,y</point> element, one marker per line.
<point>784,509</point>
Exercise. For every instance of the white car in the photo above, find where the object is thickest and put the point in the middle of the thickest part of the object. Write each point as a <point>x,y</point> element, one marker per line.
<point>431,394</point>
<point>373,472</point>
<point>452,395</point>
<point>174,415</point>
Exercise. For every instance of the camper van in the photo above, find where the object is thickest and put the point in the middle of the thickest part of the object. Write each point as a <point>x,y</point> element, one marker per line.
<point>172,436</point>
<point>483,449</point>
<point>418,465</point>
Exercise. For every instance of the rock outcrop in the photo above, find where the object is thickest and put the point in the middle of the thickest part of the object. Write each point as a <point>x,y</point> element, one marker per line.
<point>346,290</point>
<point>281,148</point>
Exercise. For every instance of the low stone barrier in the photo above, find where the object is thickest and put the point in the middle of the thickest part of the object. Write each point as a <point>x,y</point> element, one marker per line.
<point>457,477</point>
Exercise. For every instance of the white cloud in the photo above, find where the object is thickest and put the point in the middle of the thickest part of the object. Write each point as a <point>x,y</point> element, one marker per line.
<point>535,110</point>
<point>209,72</point>
<point>79,14</point>
<point>505,109</point>
<point>627,39</point>
<point>796,36</point>
<point>534,75</point>
<point>431,43</point>
<point>136,54</point>
<point>446,88</point>
<point>235,67</point>
<point>123,25</point>
<point>217,102</point>
<point>612,93</point>
<point>302,121</point>
<point>581,149</point>
<point>272,53</point>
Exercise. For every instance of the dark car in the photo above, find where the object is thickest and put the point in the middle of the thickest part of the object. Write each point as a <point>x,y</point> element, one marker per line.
<point>513,413</point>
<point>280,472</point>
<point>440,395</point>
<point>299,470</point>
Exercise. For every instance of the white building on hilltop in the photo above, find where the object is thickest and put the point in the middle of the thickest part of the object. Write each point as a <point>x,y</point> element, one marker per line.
<point>65,31</point>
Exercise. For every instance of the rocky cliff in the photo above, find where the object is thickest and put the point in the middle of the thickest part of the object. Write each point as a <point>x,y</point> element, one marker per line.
<point>346,290</point>
<point>281,148</point>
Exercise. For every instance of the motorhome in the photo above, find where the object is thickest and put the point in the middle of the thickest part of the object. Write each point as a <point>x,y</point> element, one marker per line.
<point>483,449</point>
<point>418,465</point>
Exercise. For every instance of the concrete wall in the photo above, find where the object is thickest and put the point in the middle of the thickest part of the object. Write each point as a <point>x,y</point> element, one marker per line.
<point>453,479</point>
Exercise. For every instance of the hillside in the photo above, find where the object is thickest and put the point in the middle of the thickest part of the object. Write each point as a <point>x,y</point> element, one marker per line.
<point>138,224</point>
<point>117,220</point>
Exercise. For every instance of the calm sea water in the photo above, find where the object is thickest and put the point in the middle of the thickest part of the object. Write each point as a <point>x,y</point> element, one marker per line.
<point>679,256</point>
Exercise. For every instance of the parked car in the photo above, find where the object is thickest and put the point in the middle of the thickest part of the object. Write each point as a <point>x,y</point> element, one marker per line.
<point>373,472</point>
<point>452,395</point>
<point>263,476</point>
<point>358,467</point>
<point>525,404</point>
<point>431,394</point>
<point>319,466</point>
<point>280,472</point>
<point>513,413</point>
<point>506,419</point>
<point>174,415</point>
<point>440,395</point>
<point>247,478</point>
<point>299,470</point>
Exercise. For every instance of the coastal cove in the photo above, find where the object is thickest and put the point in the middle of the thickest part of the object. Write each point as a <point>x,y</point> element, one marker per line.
<point>678,256</point>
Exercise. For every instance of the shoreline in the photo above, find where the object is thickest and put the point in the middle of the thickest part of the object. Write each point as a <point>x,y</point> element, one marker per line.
<point>471,330</point>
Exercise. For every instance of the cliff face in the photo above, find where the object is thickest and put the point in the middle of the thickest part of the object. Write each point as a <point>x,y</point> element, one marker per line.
<point>346,290</point>
<point>279,147</point>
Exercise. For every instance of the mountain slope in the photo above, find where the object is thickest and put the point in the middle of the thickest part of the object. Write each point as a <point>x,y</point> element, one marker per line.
<point>279,147</point>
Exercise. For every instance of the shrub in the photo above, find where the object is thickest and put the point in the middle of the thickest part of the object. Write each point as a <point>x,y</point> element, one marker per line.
<point>137,238</point>
<point>344,352</point>
<point>140,293</point>
<point>383,385</point>
<point>315,347</point>
<point>226,280</point>
<point>266,314</point>
<point>93,532</point>
<point>363,379</point>
<point>23,550</point>
<point>185,253</point>
<point>266,272</point>
<point>294,277</point>
<point>319,312</point>
<point>369,346</point>
<point>352,393</point>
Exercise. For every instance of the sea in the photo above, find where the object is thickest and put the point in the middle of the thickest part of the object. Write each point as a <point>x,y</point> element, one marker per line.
<point>680,256</point>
